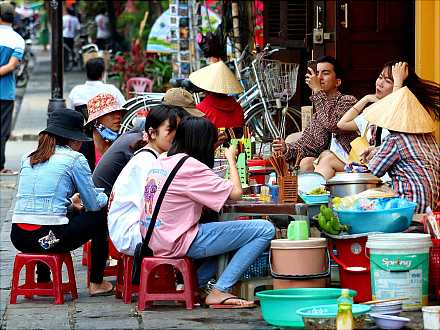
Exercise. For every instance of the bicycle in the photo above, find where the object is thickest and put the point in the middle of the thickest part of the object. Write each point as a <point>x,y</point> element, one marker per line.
<point>82,44</point>
<point>268,85</point>
<point>137,109</point>
<point>26,65</point>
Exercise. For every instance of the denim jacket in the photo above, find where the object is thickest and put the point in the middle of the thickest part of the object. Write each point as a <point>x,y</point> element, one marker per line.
<point>44,189</point>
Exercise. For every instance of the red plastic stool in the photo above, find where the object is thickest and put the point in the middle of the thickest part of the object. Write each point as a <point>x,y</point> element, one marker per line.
<point>123,280</point>
<point>146,293</point>
<point>56,288</point>
<point>162,279</point>
<point>84,259</point>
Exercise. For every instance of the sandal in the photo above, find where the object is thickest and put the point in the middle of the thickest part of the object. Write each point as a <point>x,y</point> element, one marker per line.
<point>224,305</point>
<point>109,292</point>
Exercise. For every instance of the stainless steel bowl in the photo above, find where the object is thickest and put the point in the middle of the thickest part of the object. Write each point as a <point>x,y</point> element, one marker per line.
<point>346,184</point>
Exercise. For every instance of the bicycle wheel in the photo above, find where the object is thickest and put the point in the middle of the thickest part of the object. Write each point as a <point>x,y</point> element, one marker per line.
<point>22,80</point>
<point>285,120</point>
<point>135,116</point>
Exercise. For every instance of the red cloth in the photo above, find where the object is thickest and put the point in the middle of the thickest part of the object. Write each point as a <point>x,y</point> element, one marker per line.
<point>26,226</point>
<point>97,156</point>
<point>222,111</point>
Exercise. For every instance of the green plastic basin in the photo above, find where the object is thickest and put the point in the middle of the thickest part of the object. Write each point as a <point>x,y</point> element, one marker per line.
<point>279,306</point>
<point>330,311</point>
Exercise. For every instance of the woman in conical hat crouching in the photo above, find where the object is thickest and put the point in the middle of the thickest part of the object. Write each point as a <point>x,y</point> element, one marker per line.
<point>219,107</point>
<point>410,154</point>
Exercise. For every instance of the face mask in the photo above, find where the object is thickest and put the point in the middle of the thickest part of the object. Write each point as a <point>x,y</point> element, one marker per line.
<point>106,133</point>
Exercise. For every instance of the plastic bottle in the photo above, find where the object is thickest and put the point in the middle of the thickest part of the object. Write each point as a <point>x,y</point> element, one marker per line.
<point>344,317</point>
<point>274,191</point>
<point>272,179</point>
<point>273,187</point>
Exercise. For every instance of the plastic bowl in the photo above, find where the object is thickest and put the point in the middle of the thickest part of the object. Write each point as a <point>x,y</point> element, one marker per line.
<point>389,322</point>
<point>386,221</point>
<point>314,199</point>
<point>324,316</point>
<point>389,308</point>
<point>279,306</point>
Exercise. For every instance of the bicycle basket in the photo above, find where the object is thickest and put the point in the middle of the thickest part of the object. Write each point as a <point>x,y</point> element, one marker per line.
<point>277,79</point>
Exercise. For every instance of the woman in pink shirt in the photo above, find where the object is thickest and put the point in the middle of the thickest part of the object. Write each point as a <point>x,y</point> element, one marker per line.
<point>177,230</point>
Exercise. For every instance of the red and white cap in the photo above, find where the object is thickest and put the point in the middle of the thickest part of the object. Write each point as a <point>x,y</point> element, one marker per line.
<point>101,105</point>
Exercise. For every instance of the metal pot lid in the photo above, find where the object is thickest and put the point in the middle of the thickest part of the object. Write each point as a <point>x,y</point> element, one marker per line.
<point>344,178</point>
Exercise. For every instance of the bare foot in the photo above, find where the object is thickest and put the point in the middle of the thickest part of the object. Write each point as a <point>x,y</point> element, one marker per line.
<point>219,297</point>
<point>102,288</point>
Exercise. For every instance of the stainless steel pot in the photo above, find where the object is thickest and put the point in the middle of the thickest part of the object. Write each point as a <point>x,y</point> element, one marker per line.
<point>346,184</point>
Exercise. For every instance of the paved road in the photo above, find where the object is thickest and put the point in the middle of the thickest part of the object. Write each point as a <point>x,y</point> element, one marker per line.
<point>87,312</point>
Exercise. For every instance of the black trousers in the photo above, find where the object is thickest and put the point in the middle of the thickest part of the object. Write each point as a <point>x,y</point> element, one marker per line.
<point>81,228</point>
<point>6,111</point>
<point>102,43</point>
<point>69,42</point>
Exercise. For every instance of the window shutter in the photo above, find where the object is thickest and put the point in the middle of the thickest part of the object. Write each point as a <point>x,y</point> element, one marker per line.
<point>286,23</point>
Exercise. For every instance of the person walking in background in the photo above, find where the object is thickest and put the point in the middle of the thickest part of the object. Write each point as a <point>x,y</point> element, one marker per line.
<point>11,53</point>
<point>57,207</point>
<point>71,27</point>
<point>43,37</point>
<point>102,30</point>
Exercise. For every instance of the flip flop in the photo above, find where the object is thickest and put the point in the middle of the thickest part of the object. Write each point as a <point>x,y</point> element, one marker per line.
<point>222,305</point>
<point>104,293</point>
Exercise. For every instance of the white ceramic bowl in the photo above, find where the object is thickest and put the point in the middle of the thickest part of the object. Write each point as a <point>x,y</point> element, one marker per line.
<point>389,322</point>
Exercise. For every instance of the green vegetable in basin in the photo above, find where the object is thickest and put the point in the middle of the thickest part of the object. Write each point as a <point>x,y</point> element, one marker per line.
<point>318,191</point>
<point>329,223</point>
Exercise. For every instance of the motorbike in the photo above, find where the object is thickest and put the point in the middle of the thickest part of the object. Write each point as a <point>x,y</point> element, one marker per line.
<point>22,71</point>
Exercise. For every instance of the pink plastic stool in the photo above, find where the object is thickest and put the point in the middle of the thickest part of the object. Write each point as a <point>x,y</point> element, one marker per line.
<point>139,84</point>
<point>56,288</point>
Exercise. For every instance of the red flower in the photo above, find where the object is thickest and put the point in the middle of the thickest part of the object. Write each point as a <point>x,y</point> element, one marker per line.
<point>119,59</point>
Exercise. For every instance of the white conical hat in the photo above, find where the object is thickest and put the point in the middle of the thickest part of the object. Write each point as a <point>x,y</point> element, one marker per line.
<point>400,111</point>
<point>216,78</point>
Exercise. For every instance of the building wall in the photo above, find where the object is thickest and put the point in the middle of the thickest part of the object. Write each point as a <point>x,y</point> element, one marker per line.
<point>427,43</point>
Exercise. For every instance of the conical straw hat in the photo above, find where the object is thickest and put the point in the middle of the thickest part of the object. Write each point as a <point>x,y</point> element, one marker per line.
<point>216,78</point>
<point>401,112</point>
